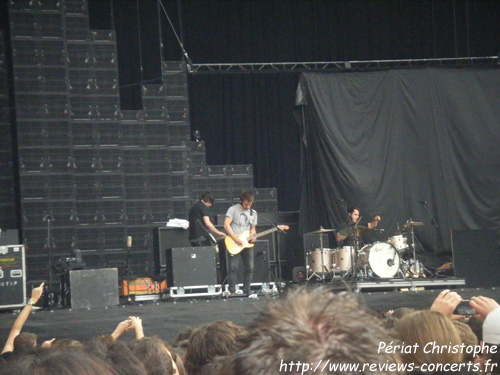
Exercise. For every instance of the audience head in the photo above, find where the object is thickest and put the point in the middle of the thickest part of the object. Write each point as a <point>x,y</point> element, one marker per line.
<point>51,362</point>
<point>25,341</point>
<point>66,344</point>
<point>310,325</point>
<point>156,356</point>
<point>467,336</point>
<point>118,355</point>
<point>218,338</point>
<point>423,327</point>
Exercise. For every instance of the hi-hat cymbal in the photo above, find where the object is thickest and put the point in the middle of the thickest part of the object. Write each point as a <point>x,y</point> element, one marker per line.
<point>359,229</point>
<point>321,230</point>
<point>413,224</point>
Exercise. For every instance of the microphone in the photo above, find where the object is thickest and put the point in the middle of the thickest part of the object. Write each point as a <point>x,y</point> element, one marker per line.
<point>422,202</point>
<point>129,241</point>
<point>390,262</point>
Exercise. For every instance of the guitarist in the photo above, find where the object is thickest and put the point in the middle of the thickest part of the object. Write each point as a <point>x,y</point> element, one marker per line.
<point>239,218</point>
<point>199,215</point>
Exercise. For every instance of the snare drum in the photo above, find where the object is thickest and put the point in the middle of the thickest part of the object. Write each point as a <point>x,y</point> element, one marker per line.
<point>320,260</point>
<point>399,242</point>
<point>342,258</point>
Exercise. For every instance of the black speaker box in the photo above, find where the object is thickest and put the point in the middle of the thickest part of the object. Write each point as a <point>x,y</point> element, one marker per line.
<point>12,276</point>
<point>476,257</point>
<point>167,238</point>
<point>94,288</point>
<point>191,266</point>
<point>9,237</point>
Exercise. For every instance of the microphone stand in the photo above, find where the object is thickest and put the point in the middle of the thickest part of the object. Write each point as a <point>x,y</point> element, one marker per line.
<point>278,254</point>
<point>48,218</point>
<point>127,271</point>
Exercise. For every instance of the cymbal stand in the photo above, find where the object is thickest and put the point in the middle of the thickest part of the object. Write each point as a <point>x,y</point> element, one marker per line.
<point>321,277</point>
<point>435,228</point>
<point>415,264</point>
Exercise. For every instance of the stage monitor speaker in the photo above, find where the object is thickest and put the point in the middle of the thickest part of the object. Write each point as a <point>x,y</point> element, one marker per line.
<point>94,288</point>
<point>476,257</point>
<point>191,266</point>
<point>167,238</point>
<point>12,276</point>
<point>314,241</point>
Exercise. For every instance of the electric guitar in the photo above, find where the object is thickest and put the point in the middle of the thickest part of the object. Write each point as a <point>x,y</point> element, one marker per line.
<point>234,249</point>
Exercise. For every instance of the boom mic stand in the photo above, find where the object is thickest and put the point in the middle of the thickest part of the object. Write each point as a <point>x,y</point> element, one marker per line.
<point>278,256</point>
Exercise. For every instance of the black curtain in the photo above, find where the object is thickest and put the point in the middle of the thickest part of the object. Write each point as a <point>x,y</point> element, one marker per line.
<point>382,141</point>
<point>248,119</point>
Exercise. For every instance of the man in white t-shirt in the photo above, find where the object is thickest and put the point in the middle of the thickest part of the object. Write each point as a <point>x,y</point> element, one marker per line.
<point>240,218</point>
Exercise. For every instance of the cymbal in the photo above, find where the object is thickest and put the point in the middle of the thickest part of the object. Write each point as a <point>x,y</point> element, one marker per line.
<point>322,230</point>
<point>413,224</point>
<point>358,228</point>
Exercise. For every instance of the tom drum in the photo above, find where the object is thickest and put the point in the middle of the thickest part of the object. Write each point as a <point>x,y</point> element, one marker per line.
<point>342,258</point>
<point>320,260</point>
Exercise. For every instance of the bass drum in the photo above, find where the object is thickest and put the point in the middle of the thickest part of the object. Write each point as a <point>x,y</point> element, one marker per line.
<point>381,257</point>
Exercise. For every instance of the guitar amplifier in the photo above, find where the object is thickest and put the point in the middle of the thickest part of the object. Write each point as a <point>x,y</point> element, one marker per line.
<point>191,266</point>
<point>12,276</point>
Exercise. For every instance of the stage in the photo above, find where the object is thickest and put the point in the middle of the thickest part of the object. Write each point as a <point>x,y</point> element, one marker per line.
<point>168,316</point>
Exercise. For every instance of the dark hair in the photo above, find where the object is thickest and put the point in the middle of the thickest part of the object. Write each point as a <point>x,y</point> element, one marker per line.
<point>207,197</point>
<point>25,342</point>
<point>218,338</point>
<point>61,362</point>
<point>351,209</point>
<point>152,352</point>
<point>247,195</point>
<point>117,354</point>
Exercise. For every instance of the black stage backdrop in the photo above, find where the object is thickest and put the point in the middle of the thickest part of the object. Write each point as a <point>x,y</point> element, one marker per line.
<point>384,140</point>
<point>248,119</point>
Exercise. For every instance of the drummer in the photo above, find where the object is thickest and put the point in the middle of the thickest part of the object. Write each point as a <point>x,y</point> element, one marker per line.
<point>348,228</point>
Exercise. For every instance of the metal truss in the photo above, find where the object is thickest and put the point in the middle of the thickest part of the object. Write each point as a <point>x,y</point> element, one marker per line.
<point>276,67</point>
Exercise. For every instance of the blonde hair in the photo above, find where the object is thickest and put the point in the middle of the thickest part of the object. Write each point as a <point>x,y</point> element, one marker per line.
<point>425,328</point>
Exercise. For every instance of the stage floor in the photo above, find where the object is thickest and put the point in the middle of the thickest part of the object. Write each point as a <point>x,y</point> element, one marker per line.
<point>168,317</point>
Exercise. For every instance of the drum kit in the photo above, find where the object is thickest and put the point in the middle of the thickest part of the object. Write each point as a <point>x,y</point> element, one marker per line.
<point>386,259</point>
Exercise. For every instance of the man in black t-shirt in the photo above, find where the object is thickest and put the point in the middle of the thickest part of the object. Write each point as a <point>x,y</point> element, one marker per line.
<point>354,227</point>
<point>199,221</point>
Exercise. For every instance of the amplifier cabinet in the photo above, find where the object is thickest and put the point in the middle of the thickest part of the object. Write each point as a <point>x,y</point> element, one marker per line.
<point>191,266</point>
<point>12,276</point>
<point>167,238</point>
<point>94,288</point>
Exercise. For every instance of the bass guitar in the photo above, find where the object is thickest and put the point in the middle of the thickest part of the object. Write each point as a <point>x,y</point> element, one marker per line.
<point>245,237</point>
